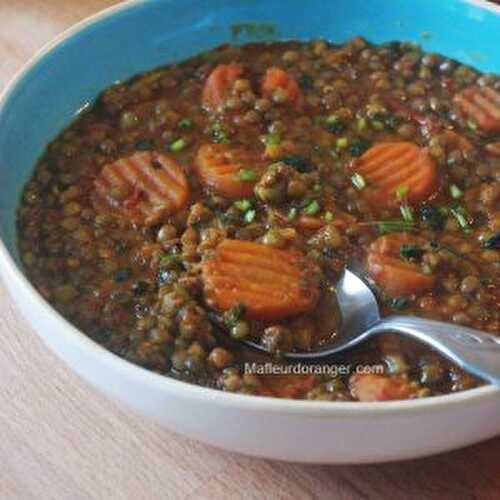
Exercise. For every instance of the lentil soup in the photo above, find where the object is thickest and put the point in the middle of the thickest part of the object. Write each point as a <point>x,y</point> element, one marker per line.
<point>219,199</point>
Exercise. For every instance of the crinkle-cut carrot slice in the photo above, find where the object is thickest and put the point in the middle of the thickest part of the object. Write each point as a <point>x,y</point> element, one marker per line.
<point>145,187</point>
<point>222,167</point>
<point>276,78</point>
<point>388,166</point>
<point>396,276</point>
<point>372,387</point>
<point>272,284</point>
<point>482,106</point>
<point>218,84</point>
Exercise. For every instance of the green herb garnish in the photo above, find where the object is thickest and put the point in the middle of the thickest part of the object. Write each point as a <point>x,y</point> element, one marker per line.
<point>140,288</point>
<point>250,216</point>
<point>341,143</point>
<point>329,216</point>
<point>407,212</point>
<point>410,252</point>
<point>362,124</point>
<point>334,124</point>
<point>455,191</point>
<point>237,313</point>
<point>273,139</point>
<point>243,205</point>
<point>219,134</point>
<point>178,145</point>
<point>170,261</point>
<point>402,192</point>
<point>144,145</point>
<point>399,303</point>
<point>358,147</point>
<point>433,217</point>
<point>358,181</point>
<point>491,241</point>
<point>313,208</point>
<point>246,175</point>
<point>394,226</point>
<point>185,123</point>
<point>298,162</point>
<point>122,275</point>
<point>461,217</point>
<point>292,213</point>
<point>389,120</point>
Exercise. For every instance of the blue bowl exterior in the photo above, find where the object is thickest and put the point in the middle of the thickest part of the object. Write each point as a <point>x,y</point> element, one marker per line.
<point>151,33</point>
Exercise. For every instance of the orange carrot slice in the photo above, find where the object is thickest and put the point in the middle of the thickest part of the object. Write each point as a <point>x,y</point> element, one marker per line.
<point>271,283</point>
<point>276,78</point>
<point>482,106</point>
<point>144,187</point>
<point>229,170</point>
<point>372,387</point>
<point>394,275</point>
<point>219,83</point>
<point>391,165</point>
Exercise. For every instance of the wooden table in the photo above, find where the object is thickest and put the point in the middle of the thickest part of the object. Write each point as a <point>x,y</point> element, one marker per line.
<point>59,439</point>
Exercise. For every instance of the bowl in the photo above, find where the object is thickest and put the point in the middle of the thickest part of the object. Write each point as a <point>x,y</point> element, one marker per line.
<point>139,35</point>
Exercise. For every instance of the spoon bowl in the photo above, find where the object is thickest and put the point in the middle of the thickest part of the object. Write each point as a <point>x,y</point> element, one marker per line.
<point>474,351</point>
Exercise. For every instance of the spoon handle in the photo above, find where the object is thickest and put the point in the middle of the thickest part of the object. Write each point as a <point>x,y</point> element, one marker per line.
<point>474,351</point>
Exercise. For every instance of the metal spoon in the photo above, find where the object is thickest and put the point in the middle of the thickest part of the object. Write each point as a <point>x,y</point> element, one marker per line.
<point>474,351</point>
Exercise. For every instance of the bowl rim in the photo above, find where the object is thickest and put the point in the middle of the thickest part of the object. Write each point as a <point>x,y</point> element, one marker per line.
<point>180,389</point>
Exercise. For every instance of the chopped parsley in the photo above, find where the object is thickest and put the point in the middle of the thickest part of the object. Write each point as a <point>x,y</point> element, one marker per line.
<point>185,123</point>
<point>140,287</point>
<point>243,205</point>
<point>292,213</point>
<point>402,192</point>
<point>250,216</point>
<point>358,147</point>
<point>178,145</point>
<point>455,191</point>
<point>433,217</point>
<point>411,252</point>
<point>123,274</point>
<point>219,134</point>
<point>313,208</point>
<point>246,175</point>
<point>394,226</point>
<point>144,145</point>
<point>461,217</point>
<point>170,261</point>
<point>358,181</point>
<point>342,143</point>
<point>237,313</point>
<point>298,162</point>
<point>334,124</point>
<point>273,139</point>
<point>399,303</point>
<point>389,120</point>
<point>491,242</point>
<point>407,213</point>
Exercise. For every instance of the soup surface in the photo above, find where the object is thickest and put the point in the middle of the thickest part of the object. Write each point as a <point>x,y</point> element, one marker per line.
<point>219,199</point>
